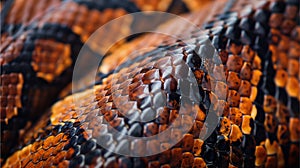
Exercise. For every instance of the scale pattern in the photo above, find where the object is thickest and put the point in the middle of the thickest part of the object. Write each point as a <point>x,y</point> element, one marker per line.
<point>256,100</point>
<point>40,43</point>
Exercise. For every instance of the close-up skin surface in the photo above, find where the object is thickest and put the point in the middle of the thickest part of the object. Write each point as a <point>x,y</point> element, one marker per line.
<point>40,41</point>
<point>249,82</point>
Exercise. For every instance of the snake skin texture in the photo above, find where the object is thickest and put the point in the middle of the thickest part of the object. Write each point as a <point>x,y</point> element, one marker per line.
<point>256,99</point>
<point>40,41</point>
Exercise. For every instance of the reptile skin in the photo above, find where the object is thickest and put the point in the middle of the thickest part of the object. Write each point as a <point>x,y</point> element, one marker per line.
<point>40,41</point>
<point>258,46</point>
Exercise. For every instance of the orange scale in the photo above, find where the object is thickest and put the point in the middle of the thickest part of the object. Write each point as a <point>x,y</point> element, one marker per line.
<point>271,147</point>
<point>245,105</point>
<point>36,146</point>
<point>294,50</point>
<point>234,63</point>
<point>253,93</point>
<point>256,64</point>
<point>63,164</point>
<point>198,126</point>
<point>70,153</point>
<point>246,124</point>
<point>12,159</point>
<point>246,71</point>
<point>293,67</point>
<point>117,122</point>
<point>173,115</point>
<point>245,88</point>
<point>197,147</point>
<point>233,98</point>
<point>281,78</point>
<point>66,117</point>
<point>58,138</point>
<point>235,116</point>
<point>282,61</point>
<point>187,159</point>
<point>107,15</point>
<point>47,154</point>
<point>59,157</point>
<point>95,16</point>
<point>284,43</point>
<point>37,157</point>
<point>233,81</point>
<point>187,143</point>
<point>51,67</point>
<point>11,111</point>
<point>200,114</point>
<point>40,164</point>
<point>153,164</point>
<point>135,83</point>
<point>31,164</point>
<point>25,161</point>
<point>234,48</point>
<point>199,162</point>
<point>25,152</point>
<point>292,87</point>
<point>53,57</point>
<point>247,53</point>
<point>58,148</point>
<point>150,76</point>
<point>176,155</point>
<point>225,126</point>
<point>235,133</point>
<point>49,161</point>
<point>256,74</point>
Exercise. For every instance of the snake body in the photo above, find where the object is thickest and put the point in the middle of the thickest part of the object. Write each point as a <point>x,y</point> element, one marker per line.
<point>36,36</point>
<point>256,99</point>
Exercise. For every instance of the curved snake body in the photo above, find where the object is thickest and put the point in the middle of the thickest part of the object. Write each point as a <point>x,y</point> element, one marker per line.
<point>258,50</point>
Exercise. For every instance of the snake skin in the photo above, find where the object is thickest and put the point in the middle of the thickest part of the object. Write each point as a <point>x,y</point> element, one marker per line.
<point>39,46</point>
<point>258,48</point>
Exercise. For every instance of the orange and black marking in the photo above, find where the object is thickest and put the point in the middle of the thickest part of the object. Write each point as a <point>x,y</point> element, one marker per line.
<point>258,49</point>
<point>35,36</point>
